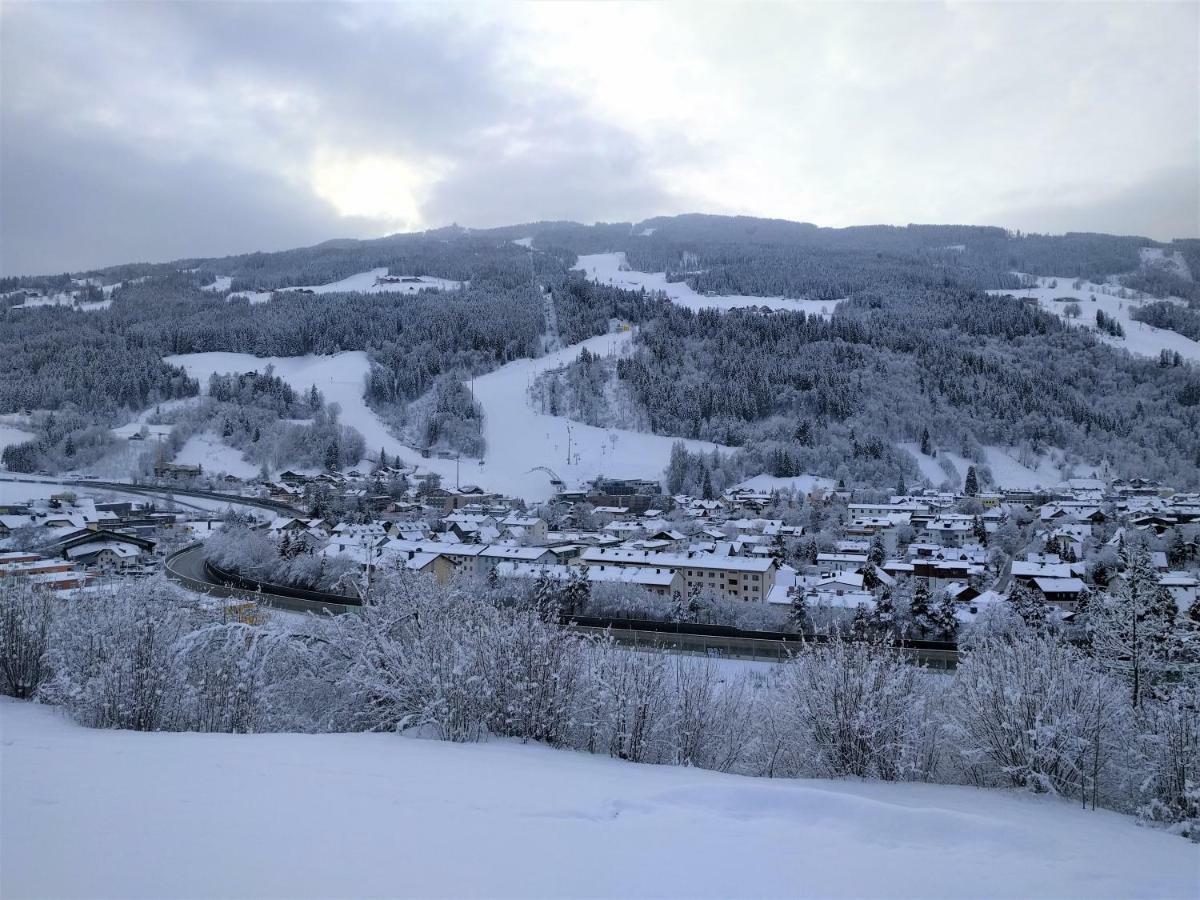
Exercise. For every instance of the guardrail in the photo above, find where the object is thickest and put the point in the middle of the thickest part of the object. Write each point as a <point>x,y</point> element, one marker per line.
<point>687,637</point>
<point>228,585</point>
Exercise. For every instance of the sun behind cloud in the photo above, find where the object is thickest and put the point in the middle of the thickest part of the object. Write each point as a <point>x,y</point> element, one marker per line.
<point>387,188</point>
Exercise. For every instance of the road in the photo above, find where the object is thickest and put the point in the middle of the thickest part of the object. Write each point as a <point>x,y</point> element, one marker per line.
<point>159,491</point>
<point>186,568</point>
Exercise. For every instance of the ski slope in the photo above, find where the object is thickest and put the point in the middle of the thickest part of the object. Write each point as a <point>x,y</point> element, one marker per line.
<point>218,458</point>
<point>611,268</point>
<point>368,283</point>
<point>90,813</point>
<point>360,283</point>
<point>1140,339</point>
<point>801,484</point>
<point>1007,470</point>
<point>518,438</point>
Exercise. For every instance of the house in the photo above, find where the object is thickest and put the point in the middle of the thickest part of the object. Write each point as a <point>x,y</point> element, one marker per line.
<point>105,550</point>
<point>841,562</point>
<point>1063,592</point>
<point>659,581</point>
<point>1183,586</point>
<point>728,577</point>
<point>177,471</point>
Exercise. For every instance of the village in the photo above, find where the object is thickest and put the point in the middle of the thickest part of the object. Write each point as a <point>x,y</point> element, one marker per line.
<point>797,559</point>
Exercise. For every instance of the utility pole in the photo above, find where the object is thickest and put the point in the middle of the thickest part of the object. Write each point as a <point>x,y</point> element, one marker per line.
<point>568,443</point>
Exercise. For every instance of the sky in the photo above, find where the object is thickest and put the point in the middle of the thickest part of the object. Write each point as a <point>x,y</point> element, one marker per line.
<point>146,131</point>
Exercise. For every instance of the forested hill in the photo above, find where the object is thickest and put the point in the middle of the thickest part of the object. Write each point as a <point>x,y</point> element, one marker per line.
<point>915,332</point>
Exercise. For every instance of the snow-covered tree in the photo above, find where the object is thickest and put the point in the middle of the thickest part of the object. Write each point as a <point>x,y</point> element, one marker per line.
<point>1131,628</point>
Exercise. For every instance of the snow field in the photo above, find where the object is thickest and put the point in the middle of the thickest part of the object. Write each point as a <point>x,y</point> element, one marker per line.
<point>611,268</point>
<point>1007,470</point>
<point>518,438</point>
<point>1140,339</point>
<point>207,450</point>
<point>114,813</point>
<point>361,283</point>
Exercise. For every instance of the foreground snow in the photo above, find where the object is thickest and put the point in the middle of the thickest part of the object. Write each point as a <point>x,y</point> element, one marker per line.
<point>107,814</point>
<point>611,268</point>
<point>518,438</point>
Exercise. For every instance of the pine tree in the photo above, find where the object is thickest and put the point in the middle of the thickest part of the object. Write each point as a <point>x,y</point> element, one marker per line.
<point>944,616</point>
<point>971,486</point>
<point>860,625</point>
<point>877,554</point>
<point>1177,549</point>
<point>870,576</point>
<point>926,444</point>
<point>332,456</point>
<point>920,608</point>
<point>883,616</point>
<point>578,591</point>
<point>546,595</point>
<point>979,531</point>
<point>1132,629</point>
<point>706,489</point>
<point>677,468</point>
<point>798,615</point>
<point>1029,603</point>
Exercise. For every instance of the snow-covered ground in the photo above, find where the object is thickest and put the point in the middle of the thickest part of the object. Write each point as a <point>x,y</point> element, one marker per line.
<point>10,435</point>
<point>368,283</point>
<point>220,284</point>
<point>252,296</point>
<point>362,283</point>
<point>518,438</point>
<point>129,429</point>
<point>217,458</point>
<point>611,268</point>
<point>63,300</point>
<point>1140,339</point>
<point>1171,260</point>
<point>1007,470</point>
<point>526,242</point>
<point>122,814</point>
<point>802,484</point>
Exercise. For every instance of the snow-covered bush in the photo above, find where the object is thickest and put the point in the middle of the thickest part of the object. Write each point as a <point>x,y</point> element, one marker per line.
<point>25,617</point>
<point>115,657</point>
<point>858,709</point>
<point>1031,711</point>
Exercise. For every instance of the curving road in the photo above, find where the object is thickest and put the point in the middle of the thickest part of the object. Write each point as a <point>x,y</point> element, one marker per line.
<point>186,568</point>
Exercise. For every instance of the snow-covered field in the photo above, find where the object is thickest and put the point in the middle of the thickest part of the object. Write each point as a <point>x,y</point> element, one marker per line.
<point>220,284</point>
<point>1007,470</point>
<point>611,268</point>
<point>518,438</point>
<point>368,283</point>
<point>1140,339</point>
<point>129,429</point>
<point>802,484</point>
<point>217,458</point>
<point>122,814</point>
<point>63,300</point>
<point>362,283</point>
<point>10,435</point>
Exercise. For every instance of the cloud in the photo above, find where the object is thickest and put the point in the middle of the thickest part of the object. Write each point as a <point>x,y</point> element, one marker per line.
<point>1163,205</point>
<point>153,131</point>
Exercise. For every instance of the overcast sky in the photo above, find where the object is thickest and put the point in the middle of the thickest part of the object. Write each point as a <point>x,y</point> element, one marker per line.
<point>140,131</point>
